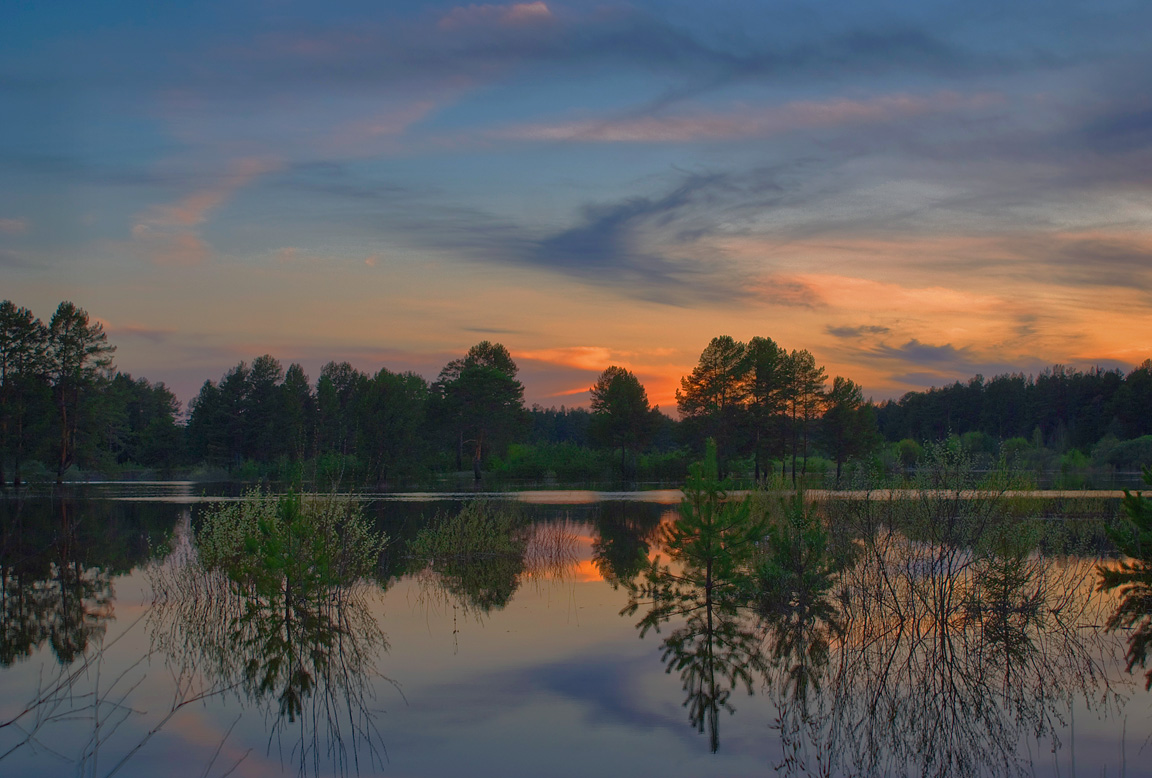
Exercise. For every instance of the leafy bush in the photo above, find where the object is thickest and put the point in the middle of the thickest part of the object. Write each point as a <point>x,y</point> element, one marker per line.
<point>480,528</point>
<point>265,542</point>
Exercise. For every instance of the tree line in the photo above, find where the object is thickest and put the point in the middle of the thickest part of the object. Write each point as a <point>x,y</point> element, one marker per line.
<point>63,404</point>
<point>1061,408</point>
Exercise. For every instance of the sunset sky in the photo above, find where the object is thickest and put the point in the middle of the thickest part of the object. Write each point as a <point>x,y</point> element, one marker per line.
<point>914,192</point>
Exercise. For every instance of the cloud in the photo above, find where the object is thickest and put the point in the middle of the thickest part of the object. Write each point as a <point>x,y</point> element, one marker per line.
<point>785,291</point>
<point>594,358</point>
<point>922,353</point>
<point>499,15</point>
<point>11,259</point>
<point>377,133</point>
<point>169,234</point>
<point>13,226</point>
<point>609,246</point>
<point>491,331</point>
<point>750,122</point>
<point>857,332</point>
<point>1116,258</point>
<point>143,332</point>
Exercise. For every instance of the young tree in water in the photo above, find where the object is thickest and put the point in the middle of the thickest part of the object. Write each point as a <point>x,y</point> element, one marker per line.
<point>481,399</point>
<point>621,415</point>
<point>79,358</point>
<point>23,345</point>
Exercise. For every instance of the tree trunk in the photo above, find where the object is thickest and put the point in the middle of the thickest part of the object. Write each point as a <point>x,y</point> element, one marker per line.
<point>63,443</point>
<point>476,459</point>
<point>757,454</point>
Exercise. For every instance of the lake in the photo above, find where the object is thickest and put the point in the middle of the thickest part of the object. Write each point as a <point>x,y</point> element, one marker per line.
<point>900,655</point>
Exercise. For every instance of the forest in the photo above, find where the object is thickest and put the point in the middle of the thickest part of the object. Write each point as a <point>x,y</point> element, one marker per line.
<point>67,413</point>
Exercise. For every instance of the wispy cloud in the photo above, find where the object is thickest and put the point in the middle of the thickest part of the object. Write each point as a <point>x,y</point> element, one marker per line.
<point>502,15</point>
<point>857,332</point>
<point>169,234</point>
<point>11,259</point>
<point>751,122</point>
<point>13,226</point>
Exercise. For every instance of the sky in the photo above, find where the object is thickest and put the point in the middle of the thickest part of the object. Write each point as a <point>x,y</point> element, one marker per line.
<point>914,192</point>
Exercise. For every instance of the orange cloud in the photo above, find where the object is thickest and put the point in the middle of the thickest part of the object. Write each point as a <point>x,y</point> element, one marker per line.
<point>581,357</point>
<point>193,209</point>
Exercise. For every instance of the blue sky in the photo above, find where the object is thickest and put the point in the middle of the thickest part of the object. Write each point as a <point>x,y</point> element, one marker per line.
<point>913,192</point>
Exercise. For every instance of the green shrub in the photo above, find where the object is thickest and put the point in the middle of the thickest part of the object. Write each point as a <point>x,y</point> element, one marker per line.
<point>266,542</point>
<point>480,528</point>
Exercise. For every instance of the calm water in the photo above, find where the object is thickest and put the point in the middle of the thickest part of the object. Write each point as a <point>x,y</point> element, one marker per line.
<point>113,662</point>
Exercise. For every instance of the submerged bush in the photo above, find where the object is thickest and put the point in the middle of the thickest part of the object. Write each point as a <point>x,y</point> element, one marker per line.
<point>263,540</point>
<point>480,528</point>
<point>477,554</point>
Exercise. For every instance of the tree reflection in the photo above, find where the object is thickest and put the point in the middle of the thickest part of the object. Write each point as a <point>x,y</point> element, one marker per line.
<point>706,589</point>
<point>59,554</point>
<point>920,634</point>
<point>801,614</point>
<point>624,533</point>
<point>474,556</point>
<point>1133,578</point>
<point>55,578</point>
<point>953,651</point>
<point>476,559</point>
<point>275,606</point>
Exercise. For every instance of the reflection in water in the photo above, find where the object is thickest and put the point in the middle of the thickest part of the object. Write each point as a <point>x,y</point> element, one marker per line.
<point>1133,578</point>
<point>58,557</point>
<point>707,590</point>
<point>796,574</point>
<point>59,554</point>
<point>273,604</point>
<point>949,661</point>
<point>477,558</point>
<point>924,637</point>
<point>624,533</point>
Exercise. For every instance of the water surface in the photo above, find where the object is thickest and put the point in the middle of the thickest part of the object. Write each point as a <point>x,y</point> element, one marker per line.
<point>527,667</point>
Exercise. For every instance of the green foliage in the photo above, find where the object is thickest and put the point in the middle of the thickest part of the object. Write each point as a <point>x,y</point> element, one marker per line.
<point>621,415</point>
<point>1130,454</point>
<point>546,461</point>
<point>476,554</point>
<point>796,574</point>
<point>294,542</point>
<point>481,402</point>
<point>712,546</point>
<point>1132,577</point>
<point>909,452</point>
<point>480,528</point>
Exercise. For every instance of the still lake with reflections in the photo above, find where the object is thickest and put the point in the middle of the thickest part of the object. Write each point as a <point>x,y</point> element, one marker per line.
<point>913,661</point>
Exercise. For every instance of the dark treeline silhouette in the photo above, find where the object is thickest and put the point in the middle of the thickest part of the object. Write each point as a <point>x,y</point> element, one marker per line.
<point>1061,408</point>
<point>61,403</point>
<point>770,410</point>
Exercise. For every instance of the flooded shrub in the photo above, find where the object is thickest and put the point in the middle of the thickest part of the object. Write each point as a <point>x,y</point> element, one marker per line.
<point>475,556</point>
<point>480,528</point>
<point>263,540</point>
